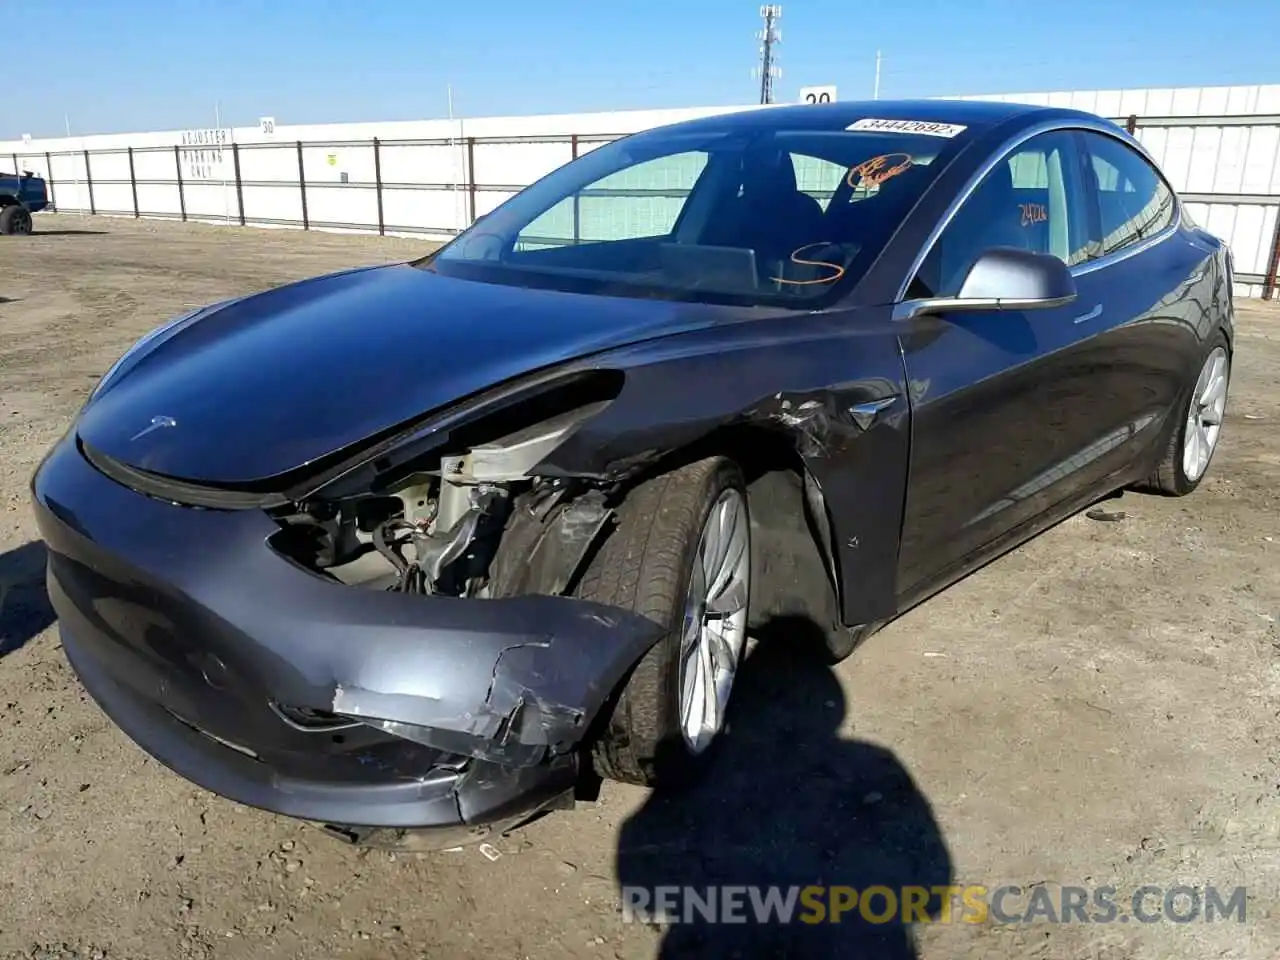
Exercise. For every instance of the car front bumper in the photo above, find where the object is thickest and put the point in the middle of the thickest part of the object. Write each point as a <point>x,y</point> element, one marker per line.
<point>202,643</point>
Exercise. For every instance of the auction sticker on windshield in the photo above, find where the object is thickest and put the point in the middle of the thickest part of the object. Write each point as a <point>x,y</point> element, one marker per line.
<point>927,127</point>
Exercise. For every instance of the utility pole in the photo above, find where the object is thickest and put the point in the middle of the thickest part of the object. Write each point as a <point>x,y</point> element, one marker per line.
<point>875,93</point>
<point>768,37</point>
<point>67,119</point>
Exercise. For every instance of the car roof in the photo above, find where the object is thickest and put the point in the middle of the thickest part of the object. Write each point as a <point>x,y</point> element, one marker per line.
<point>974,114</point>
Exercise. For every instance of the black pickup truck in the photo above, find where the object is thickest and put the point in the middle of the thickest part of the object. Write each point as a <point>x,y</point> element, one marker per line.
<point>20,196</point>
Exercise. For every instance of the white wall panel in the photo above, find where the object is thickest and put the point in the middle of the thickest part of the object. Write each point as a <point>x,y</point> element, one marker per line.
<point>424,209</point>
<point>112,198</point>
<point>327,163</point>
<point>272,203</point>
<point>274,163</point>
<point>158,198</point>
<point>211,201</point>
<point>424,163</point>
<point>1230,159</point>
<point>342,205</point>
<point>488,200</point>
<point>109,166</point>
<point>1202,169</point>
<point>519,164</point>
<point>154,165</point>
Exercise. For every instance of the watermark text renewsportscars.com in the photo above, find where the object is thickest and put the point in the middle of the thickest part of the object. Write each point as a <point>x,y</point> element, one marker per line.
<point>970,903</point>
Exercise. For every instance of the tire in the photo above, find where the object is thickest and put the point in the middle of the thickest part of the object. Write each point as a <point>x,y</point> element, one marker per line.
<point>1170,477</point>
<point>647,565</point>
<point>840,641</point>
<point>15,219</point>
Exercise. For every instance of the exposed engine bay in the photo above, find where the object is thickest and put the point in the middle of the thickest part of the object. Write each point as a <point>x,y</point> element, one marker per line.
<point>471,524</point>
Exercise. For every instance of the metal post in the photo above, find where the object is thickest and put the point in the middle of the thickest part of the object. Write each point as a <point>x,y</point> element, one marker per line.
<point>577,208</point>
<point>48,179</point>
<point>302,188</point>
<point>133,186</point>
<point>471,180</point>
<point>377,181</point>
<point>88,176</point>
<point>1273,268</point>
<point>1131,124</point>
<point>16,169</point>
<point>235,163</point>
<point>177,166</point>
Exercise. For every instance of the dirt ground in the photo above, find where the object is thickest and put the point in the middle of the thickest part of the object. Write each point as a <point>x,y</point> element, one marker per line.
<point>1098,708</point>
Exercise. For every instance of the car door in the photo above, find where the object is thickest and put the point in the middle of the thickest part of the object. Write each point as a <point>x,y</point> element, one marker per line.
<point>1154,288</point>
<point>998,404</point>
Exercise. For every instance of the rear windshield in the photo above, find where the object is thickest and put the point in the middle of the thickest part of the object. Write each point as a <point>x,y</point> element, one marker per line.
<point>775,216</point>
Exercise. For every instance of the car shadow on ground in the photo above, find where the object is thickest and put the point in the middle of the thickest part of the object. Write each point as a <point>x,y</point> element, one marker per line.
<point>24,605</point>
<point>37,233</point>
<point>787,803</point>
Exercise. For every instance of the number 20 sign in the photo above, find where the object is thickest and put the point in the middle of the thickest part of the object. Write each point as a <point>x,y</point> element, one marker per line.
<point>817,94</point>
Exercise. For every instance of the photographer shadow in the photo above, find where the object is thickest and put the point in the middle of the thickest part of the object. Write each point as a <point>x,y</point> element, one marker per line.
<point>25,612</point>
<point>788,804</point>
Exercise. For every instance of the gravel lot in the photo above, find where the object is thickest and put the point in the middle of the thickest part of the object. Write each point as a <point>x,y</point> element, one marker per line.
<point>1097,708</point>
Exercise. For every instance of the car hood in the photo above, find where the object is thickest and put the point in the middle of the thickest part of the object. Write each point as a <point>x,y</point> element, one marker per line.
<point>267,384</point>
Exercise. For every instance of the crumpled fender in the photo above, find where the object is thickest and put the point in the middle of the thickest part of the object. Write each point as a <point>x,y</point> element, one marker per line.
<point>525,674</point>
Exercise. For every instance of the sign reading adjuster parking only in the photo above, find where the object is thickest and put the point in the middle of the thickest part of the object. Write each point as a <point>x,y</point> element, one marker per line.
<point>927,127</point>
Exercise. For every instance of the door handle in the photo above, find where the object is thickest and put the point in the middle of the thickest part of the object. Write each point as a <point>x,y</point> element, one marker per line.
<point>1091,315</point>
<point>864,414</point>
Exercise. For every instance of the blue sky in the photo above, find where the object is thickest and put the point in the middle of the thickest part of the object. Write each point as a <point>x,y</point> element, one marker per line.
<point>123,65</point>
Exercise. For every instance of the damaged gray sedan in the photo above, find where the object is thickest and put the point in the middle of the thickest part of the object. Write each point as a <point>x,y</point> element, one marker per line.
<point>418,550</point>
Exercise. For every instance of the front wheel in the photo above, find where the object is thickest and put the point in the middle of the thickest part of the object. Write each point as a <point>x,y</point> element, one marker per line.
<point>15,220</point>
<point>681,556</point>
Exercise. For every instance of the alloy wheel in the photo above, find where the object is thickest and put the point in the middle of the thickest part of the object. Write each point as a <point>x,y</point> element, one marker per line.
<point>715,620</point>
<point>1205,413</point>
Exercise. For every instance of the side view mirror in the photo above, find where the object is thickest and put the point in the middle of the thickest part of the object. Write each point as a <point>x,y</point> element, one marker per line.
<point>1003,278</point>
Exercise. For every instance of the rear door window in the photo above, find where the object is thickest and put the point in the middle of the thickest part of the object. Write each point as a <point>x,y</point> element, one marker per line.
<point>1134,202</point>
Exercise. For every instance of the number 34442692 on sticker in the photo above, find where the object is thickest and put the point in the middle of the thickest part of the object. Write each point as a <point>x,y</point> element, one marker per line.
<point>927,127</point>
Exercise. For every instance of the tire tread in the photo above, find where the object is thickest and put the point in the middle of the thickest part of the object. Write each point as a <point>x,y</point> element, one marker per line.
<point>640,567</point>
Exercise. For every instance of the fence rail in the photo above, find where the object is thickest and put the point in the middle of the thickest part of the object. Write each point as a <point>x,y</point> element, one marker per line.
<point>392,186</point>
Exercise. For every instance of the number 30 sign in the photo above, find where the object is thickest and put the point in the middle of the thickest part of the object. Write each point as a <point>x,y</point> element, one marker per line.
<point>817,94</point>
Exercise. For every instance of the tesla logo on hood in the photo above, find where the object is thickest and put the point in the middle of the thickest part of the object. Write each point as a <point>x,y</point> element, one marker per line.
<point>156,424</point>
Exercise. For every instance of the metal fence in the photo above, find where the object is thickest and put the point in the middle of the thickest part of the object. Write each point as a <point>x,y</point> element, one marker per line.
<point>438,187</point>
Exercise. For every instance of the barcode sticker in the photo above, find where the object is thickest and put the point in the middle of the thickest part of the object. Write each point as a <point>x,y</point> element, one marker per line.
<point>929,128</point>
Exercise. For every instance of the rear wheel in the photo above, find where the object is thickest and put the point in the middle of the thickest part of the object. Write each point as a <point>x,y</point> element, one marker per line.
<point>681,556</point>
<point>15,220</point>
<point>1195,436</point>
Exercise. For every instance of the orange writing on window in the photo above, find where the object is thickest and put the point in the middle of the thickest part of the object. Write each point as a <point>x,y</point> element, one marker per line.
<point>796,258</point>
<point>875,171</point>
<point>1033,213</point>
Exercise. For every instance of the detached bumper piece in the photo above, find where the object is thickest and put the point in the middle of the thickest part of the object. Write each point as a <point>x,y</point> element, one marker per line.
<point>353,779</point>
<point>378,715</point>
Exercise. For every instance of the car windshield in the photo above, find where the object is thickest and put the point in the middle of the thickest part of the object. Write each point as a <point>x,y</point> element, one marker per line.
<point>777,216</point>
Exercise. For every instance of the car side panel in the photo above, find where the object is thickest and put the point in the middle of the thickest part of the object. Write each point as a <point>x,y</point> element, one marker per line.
<point>995,405</point>
<point>1135,358</point>
<point>801,376</point>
